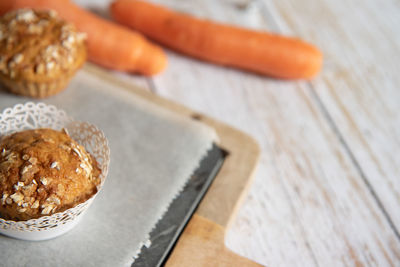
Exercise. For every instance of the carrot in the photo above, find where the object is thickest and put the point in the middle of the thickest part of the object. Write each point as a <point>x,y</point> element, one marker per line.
<point>109,44</point>
<point>261,52</point>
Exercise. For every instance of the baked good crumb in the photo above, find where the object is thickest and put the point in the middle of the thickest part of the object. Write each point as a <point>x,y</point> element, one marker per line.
<point>42,172</point>
<point>39,52</point>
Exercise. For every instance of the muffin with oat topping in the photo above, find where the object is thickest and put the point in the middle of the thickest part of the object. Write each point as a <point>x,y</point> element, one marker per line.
<point>42,172</point>
<point>39,52</point>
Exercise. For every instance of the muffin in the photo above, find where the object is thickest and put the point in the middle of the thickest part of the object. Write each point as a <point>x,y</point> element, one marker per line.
<point>42,172</point>
<point>39,52</point>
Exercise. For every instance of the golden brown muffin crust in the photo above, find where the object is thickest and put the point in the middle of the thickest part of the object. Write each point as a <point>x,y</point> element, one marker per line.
<point>38,46</point>
<point>42,172</point>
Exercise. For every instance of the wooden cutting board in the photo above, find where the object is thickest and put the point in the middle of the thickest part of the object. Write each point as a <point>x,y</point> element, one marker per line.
<point>202,242</point>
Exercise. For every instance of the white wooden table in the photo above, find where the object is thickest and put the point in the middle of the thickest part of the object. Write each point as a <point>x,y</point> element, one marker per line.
<point>327,191</point>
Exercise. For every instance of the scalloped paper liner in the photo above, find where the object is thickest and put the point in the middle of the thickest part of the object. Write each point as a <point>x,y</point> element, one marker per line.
<point>33,116</point>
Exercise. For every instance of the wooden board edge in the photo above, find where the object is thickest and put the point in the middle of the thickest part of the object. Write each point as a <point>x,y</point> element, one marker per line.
<point>203,241</point>
<point>202,244</point>
<point>233,182</point>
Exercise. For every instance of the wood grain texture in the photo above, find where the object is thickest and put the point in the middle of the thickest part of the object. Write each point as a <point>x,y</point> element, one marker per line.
<point>327,190</point>
<point>202,244</point>
<point>310,205</point>
<point>227,192</point>
<point>359,88</point>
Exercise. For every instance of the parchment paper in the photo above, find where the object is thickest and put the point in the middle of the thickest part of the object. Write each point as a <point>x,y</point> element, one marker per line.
<point>153,153</point>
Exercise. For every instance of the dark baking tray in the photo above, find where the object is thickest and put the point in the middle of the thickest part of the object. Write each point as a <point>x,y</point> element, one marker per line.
<point>167,231</point>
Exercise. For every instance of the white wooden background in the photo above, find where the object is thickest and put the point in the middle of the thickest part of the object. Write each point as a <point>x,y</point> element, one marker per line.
<point>327,190</point>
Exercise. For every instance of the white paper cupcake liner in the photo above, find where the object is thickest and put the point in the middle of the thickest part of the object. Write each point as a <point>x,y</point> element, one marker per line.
<point>33,116</point>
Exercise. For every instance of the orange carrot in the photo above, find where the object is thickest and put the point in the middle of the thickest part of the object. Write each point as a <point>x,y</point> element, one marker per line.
<point>109,44</point>
<point>261,52</point>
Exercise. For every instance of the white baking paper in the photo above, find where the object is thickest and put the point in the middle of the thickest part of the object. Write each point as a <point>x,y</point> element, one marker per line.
<point>153,153</point>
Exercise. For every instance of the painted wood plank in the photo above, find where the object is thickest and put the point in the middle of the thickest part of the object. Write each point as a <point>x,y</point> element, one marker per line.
<point>360,82</point>
<point>307,197</point>
<point>309,205</point>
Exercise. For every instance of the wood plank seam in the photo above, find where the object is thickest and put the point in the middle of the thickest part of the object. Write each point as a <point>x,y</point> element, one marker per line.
<point>341,138</point>
<point>353,159</point>
<point>339,135</point>
<point>334,127</point>
<point>275,27</point>
<point>352,250</point>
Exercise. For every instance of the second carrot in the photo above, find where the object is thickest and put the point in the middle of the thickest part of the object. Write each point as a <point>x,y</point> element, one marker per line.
<point>260,52</point>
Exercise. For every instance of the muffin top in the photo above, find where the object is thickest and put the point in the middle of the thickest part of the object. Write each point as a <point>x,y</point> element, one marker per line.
<point>42,172</point>
<point>38,46</point>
